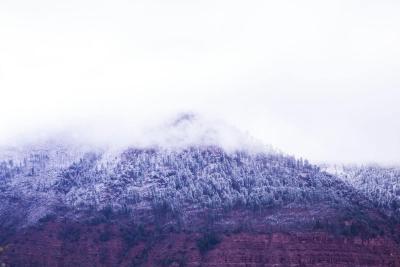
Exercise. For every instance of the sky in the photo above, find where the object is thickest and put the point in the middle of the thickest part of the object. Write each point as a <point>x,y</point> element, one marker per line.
<point>317,79</point>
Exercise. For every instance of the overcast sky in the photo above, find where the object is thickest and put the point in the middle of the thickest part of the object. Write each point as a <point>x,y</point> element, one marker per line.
<point>319,79</point>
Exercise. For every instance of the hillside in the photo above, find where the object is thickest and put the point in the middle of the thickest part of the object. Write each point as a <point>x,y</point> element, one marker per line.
<point>124,208</point>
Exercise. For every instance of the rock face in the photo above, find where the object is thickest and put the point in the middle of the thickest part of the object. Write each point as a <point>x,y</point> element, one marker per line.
<point>105,245</point>
<point>195,206</point>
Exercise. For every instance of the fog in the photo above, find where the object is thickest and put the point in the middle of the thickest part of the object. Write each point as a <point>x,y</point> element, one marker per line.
<point>317,79</point>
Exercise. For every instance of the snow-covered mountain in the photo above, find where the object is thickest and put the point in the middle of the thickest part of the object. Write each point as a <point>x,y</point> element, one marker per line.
<point>190,183</point>
<point>379,183</point>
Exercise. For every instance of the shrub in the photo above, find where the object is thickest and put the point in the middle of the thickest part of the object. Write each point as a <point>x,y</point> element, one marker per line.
<point>317,225</point>
<point>208,241</point>
<point>107,212</point>
<point>47,218</point>
<point>134,234</point>
<point>70,233</point>
<point>105,236</point>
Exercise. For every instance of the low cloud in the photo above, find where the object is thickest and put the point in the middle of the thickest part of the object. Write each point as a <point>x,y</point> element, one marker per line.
<point>314,79</point>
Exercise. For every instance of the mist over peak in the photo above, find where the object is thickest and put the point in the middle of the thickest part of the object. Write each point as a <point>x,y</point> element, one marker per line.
<point>177,131</point>
<point>194,129</point>
<point>185,117</point>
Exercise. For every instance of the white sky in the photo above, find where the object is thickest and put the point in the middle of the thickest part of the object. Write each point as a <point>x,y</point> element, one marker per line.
<point>319,79</point>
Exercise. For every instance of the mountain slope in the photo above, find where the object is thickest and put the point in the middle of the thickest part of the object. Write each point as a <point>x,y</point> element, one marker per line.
<point>132,201</point>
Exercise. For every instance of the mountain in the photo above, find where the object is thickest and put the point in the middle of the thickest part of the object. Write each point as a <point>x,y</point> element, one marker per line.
<point>63,204</point>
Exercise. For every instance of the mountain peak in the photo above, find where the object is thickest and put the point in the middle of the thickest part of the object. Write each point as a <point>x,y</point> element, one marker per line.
<point>186,117</point>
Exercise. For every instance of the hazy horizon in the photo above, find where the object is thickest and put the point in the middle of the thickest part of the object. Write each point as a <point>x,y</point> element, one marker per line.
<point>314,79</point>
